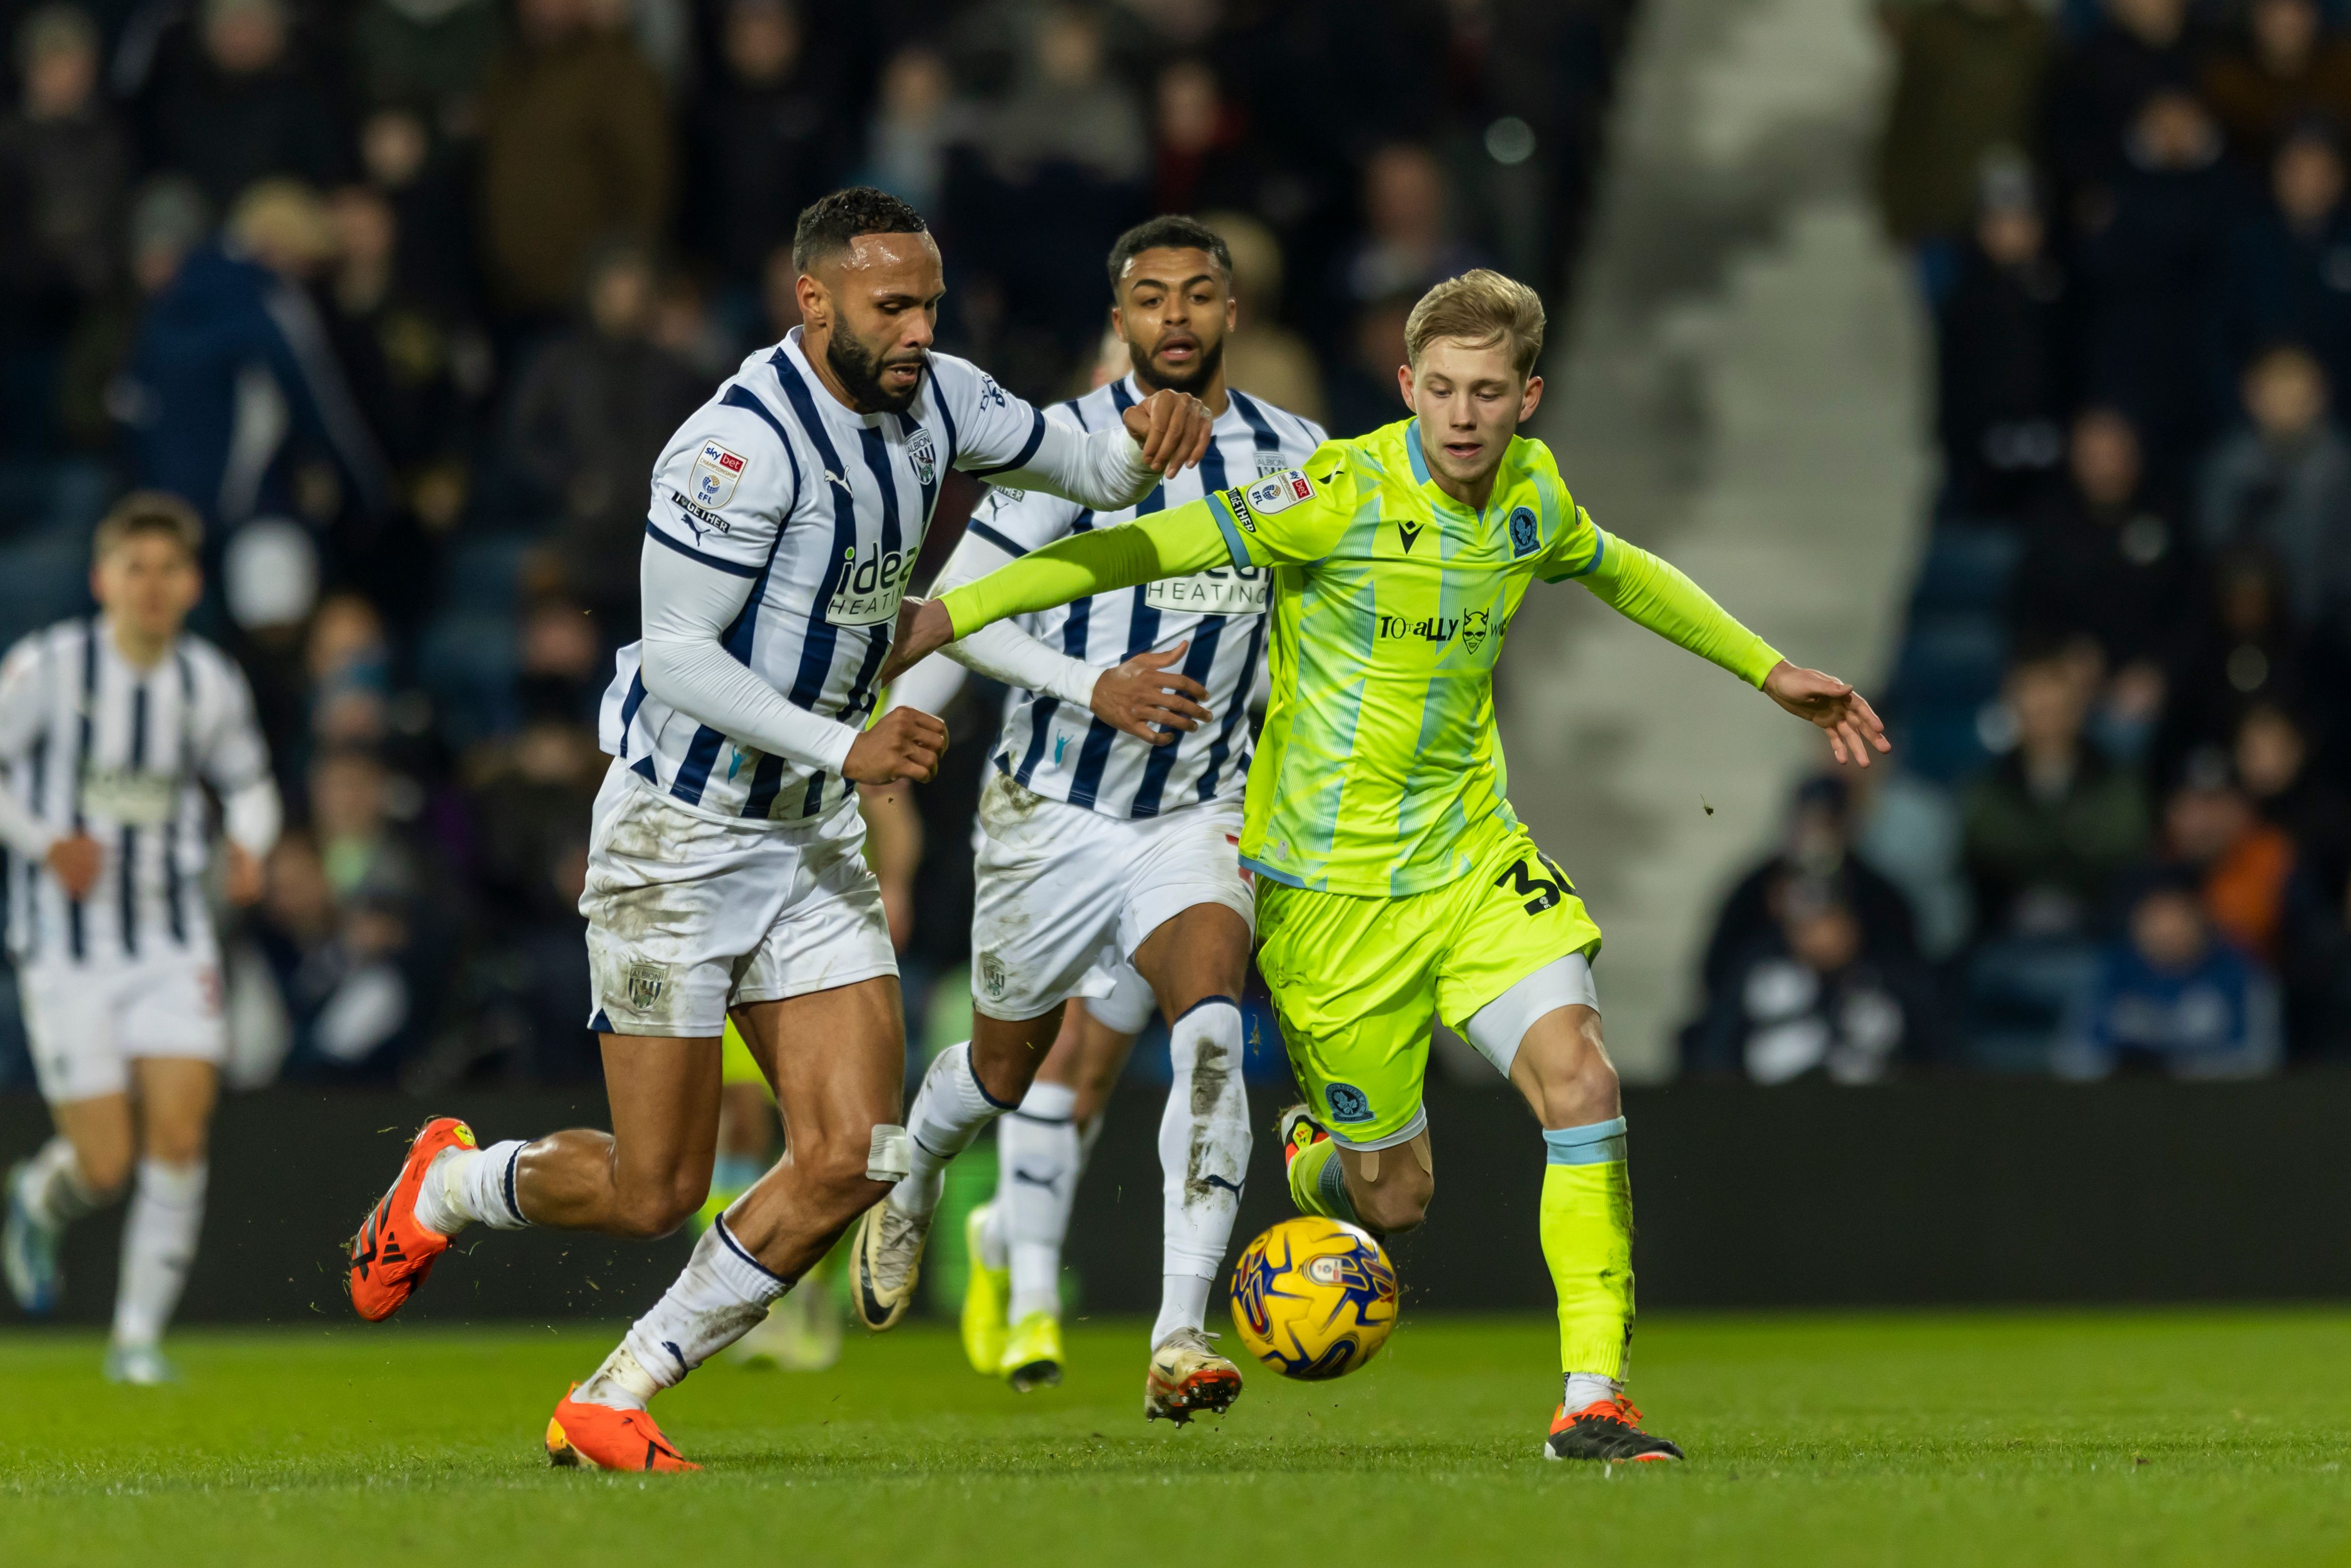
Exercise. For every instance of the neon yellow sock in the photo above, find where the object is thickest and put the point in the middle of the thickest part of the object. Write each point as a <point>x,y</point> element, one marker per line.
<point>1318,1183</point>
<point>1587,1240</point>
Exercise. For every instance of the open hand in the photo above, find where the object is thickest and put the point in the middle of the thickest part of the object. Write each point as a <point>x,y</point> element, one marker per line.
<point>1173,429</point>
<point>75,861</point>
<point>905,743</point>
<point>1823,699</point>
<point>1144,692</point>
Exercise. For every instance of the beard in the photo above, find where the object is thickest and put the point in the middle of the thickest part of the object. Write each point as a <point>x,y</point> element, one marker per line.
<point>860,375</point>
<point>1190,382</point>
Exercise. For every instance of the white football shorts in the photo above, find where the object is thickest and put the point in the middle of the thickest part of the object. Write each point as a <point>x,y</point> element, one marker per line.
<point>86,1022</point>
<point>690,913</point>
<point>1058,884</point>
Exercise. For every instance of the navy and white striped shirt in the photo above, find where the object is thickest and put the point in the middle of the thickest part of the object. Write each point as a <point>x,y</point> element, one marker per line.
<point>824,509</point>
<point>93,744</point>
<point>1065,752</point>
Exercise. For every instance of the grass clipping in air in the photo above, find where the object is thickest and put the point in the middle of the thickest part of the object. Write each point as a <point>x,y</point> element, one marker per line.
<point>1991,1438</point>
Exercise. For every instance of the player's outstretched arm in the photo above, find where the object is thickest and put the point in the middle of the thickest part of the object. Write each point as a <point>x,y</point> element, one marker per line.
<point>1118,464</point>
<point>1142,697</point>
<point>1165,544</point>
<point>1653,591</point>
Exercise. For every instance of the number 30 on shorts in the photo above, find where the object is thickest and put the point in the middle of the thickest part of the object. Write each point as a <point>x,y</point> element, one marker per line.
<point>1539,891</point>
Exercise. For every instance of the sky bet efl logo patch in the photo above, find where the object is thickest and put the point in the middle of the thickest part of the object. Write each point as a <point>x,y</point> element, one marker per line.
<point>715,470</point>
<point>1279,491</point>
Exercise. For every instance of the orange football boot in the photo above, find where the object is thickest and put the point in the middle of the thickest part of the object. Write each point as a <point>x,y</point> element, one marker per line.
<point>392,1253</point>
<point>1605,1429</point>
<point>608,1439</point>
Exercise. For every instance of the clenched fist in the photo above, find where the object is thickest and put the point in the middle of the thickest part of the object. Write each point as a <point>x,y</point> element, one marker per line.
<point>905,744</point>
<point>1173,429</point>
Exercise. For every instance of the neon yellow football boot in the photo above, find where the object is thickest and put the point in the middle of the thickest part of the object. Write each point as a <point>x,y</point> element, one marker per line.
<point>1032,1354</point>
<point>984,1292</point>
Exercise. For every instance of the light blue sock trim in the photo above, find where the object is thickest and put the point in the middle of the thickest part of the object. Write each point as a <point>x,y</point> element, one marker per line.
<point>1594,1144</point>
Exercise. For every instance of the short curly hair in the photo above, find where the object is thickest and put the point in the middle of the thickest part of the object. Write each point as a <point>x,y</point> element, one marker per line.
<point>828,224</point>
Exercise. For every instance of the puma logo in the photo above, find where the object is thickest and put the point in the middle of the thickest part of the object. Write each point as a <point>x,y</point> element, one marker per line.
<point>837,479</point>
<point>1409,533</point>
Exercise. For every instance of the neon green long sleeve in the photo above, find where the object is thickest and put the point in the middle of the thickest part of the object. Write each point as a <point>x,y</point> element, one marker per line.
<point>1655,592</point>
<point>1165,544</point>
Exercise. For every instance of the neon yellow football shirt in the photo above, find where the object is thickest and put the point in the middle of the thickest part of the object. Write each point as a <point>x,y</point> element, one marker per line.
<point>1380,750</point>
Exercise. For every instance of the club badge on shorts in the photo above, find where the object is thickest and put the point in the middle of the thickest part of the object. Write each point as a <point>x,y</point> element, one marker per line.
<point>1348,1103</point>
<point>648,982</point>
<point>991,976</point>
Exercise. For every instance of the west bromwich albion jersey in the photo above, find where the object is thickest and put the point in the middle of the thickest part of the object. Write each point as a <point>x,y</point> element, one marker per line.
<point>93,744</point>
<point>824,509</point>
<point>1065,752</point>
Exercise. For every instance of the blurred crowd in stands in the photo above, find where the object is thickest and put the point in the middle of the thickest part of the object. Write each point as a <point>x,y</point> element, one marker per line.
<point>2120,833</point>
<point>406,294</point>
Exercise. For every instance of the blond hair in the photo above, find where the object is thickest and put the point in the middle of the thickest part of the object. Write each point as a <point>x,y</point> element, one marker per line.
<point>1482,309</point>
<point>144,512</point>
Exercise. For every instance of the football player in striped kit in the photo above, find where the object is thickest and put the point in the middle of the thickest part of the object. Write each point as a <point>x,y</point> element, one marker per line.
<point>1108,835</point>
<point>724,874</point>
<point>111,728</point>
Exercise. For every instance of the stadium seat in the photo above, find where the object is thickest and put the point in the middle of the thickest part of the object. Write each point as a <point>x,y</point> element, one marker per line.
<point>1942,742</point>
<point>1950,659</point>
<point>1966,570</point>
<point>485,573</point>
<point>42,579</point>
<point>466,661</point>
<point>2018,990</point>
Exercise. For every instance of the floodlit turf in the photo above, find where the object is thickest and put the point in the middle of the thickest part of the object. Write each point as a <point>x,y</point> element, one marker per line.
<point>2208,1437</point>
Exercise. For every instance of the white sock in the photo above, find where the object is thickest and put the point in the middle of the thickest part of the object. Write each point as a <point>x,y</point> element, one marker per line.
<point>465,1186</point>
<point>723,1295</point>
<point>950,1110</point>
<point>54,1189</point>
<point>1583,1388</point>
<point>1204,1152</point>
<point>1037,1149</point>
<point>159,1243</point>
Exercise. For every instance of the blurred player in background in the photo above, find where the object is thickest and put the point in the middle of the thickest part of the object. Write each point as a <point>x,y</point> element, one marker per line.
<point>726,874</point>
<point>802,1329</point>
<point>1108,836</point>
<point>111,728</point>
<point>1394,882</point>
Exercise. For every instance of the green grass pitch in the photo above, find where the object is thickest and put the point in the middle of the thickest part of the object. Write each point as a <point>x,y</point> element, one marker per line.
<point>2204,1437</point>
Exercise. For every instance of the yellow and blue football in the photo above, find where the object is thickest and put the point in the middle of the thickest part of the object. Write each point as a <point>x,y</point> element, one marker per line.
<point>1315,1298</point>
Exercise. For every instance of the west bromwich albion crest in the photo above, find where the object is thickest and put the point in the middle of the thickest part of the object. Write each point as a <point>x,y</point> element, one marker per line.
<point>924,457</point>
<point>716,472</point>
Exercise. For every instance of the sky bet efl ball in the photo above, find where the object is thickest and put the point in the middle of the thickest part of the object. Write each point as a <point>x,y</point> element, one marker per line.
<point>1315,1298</point>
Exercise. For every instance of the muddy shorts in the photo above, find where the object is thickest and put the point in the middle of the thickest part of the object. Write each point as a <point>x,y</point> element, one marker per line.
<point>690,913</point>
<point>1066,894</point>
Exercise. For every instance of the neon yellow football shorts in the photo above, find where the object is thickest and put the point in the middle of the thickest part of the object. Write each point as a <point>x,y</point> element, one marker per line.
<point>1356,980</point>
<point>736,1063</point>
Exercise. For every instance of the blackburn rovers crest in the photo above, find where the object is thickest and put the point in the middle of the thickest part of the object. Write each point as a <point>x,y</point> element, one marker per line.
<point>1524,535</point>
